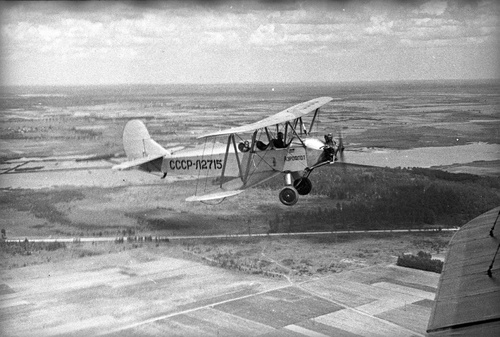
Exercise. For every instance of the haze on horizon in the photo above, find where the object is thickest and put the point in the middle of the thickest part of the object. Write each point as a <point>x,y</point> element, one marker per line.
<point>85,43</point>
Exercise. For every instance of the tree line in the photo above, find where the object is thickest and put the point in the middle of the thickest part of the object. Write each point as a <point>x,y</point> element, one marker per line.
<point>391,198</point>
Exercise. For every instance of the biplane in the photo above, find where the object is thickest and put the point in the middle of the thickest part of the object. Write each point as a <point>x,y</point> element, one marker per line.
<point>247,156</point>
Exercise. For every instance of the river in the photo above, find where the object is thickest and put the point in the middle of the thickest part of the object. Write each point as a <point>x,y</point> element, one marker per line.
<point>425,156</point>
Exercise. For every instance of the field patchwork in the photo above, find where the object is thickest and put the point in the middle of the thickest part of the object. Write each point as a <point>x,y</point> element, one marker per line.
<point>140,292</point>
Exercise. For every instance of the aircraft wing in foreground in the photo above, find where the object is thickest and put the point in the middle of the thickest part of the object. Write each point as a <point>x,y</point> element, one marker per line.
<point>468,298</point>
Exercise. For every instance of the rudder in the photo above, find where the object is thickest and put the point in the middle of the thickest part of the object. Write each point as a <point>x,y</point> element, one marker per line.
<point>137,142</point>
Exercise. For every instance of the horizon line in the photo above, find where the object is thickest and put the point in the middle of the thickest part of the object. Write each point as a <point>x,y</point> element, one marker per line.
<point>493,79</point>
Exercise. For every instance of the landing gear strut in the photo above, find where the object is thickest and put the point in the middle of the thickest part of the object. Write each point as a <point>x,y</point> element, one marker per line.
<point>288,194</point>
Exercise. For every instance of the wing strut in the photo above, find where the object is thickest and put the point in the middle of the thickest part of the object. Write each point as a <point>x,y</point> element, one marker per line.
<point>295,132</point>
<point>286,131</point>
<point>229,138</point>
<point>237,156</point>
<point>268,135</point>
<point>250,157</point>
<point>295,122</point>
<point>316,113</point>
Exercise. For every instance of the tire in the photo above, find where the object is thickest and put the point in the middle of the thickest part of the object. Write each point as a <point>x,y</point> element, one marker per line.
<point>303,185</point>
<point>289,196</point>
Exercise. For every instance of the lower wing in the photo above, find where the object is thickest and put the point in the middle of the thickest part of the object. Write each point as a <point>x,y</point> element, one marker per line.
<point>214,196</point>
<point>234,186</point>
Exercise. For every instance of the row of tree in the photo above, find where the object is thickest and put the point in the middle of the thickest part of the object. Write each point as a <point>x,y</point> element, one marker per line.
<point>422,261</point>
<point>369,198</point>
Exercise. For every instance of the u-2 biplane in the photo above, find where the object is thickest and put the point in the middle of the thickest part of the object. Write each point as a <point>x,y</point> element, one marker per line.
<point>279,144</point>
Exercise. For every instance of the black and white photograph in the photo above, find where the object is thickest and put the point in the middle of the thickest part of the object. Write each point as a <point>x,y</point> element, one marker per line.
<point>250,168</point>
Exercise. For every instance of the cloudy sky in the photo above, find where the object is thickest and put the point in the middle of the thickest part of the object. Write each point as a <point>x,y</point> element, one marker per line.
<point>247,41</point>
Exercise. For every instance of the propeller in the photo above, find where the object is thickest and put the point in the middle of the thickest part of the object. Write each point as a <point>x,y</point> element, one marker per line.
<point>340,151</point>
<point>341,147</point>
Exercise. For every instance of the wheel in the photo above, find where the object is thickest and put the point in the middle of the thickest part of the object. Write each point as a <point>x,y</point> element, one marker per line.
<point>288,196</point>
<point>303,185</point>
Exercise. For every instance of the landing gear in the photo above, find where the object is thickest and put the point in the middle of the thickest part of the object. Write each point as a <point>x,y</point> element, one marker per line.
<point>303,185</point>
<point>289,196</point>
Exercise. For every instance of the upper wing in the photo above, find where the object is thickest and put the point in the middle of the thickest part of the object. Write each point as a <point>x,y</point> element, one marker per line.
<point>292,113</point>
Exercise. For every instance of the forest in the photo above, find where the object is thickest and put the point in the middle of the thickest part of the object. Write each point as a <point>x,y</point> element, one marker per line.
<point>390,198</point>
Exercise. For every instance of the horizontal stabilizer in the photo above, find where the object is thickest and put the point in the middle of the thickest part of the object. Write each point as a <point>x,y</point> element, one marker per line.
<point>136,162</point>
<point>172,150</point>
<point>214,196</point>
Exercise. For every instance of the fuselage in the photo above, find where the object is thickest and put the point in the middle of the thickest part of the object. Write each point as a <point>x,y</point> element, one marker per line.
<point>230,162</point>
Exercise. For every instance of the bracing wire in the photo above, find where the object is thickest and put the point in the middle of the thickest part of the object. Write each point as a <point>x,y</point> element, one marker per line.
<point>255,163</point>
<point>208,171</point>
<point>260,160</point>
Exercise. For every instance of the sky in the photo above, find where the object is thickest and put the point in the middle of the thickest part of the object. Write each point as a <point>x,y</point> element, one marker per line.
<point>86,43</point>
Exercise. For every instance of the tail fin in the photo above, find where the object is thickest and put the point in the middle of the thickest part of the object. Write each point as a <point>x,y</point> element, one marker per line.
<point>137,142</point>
